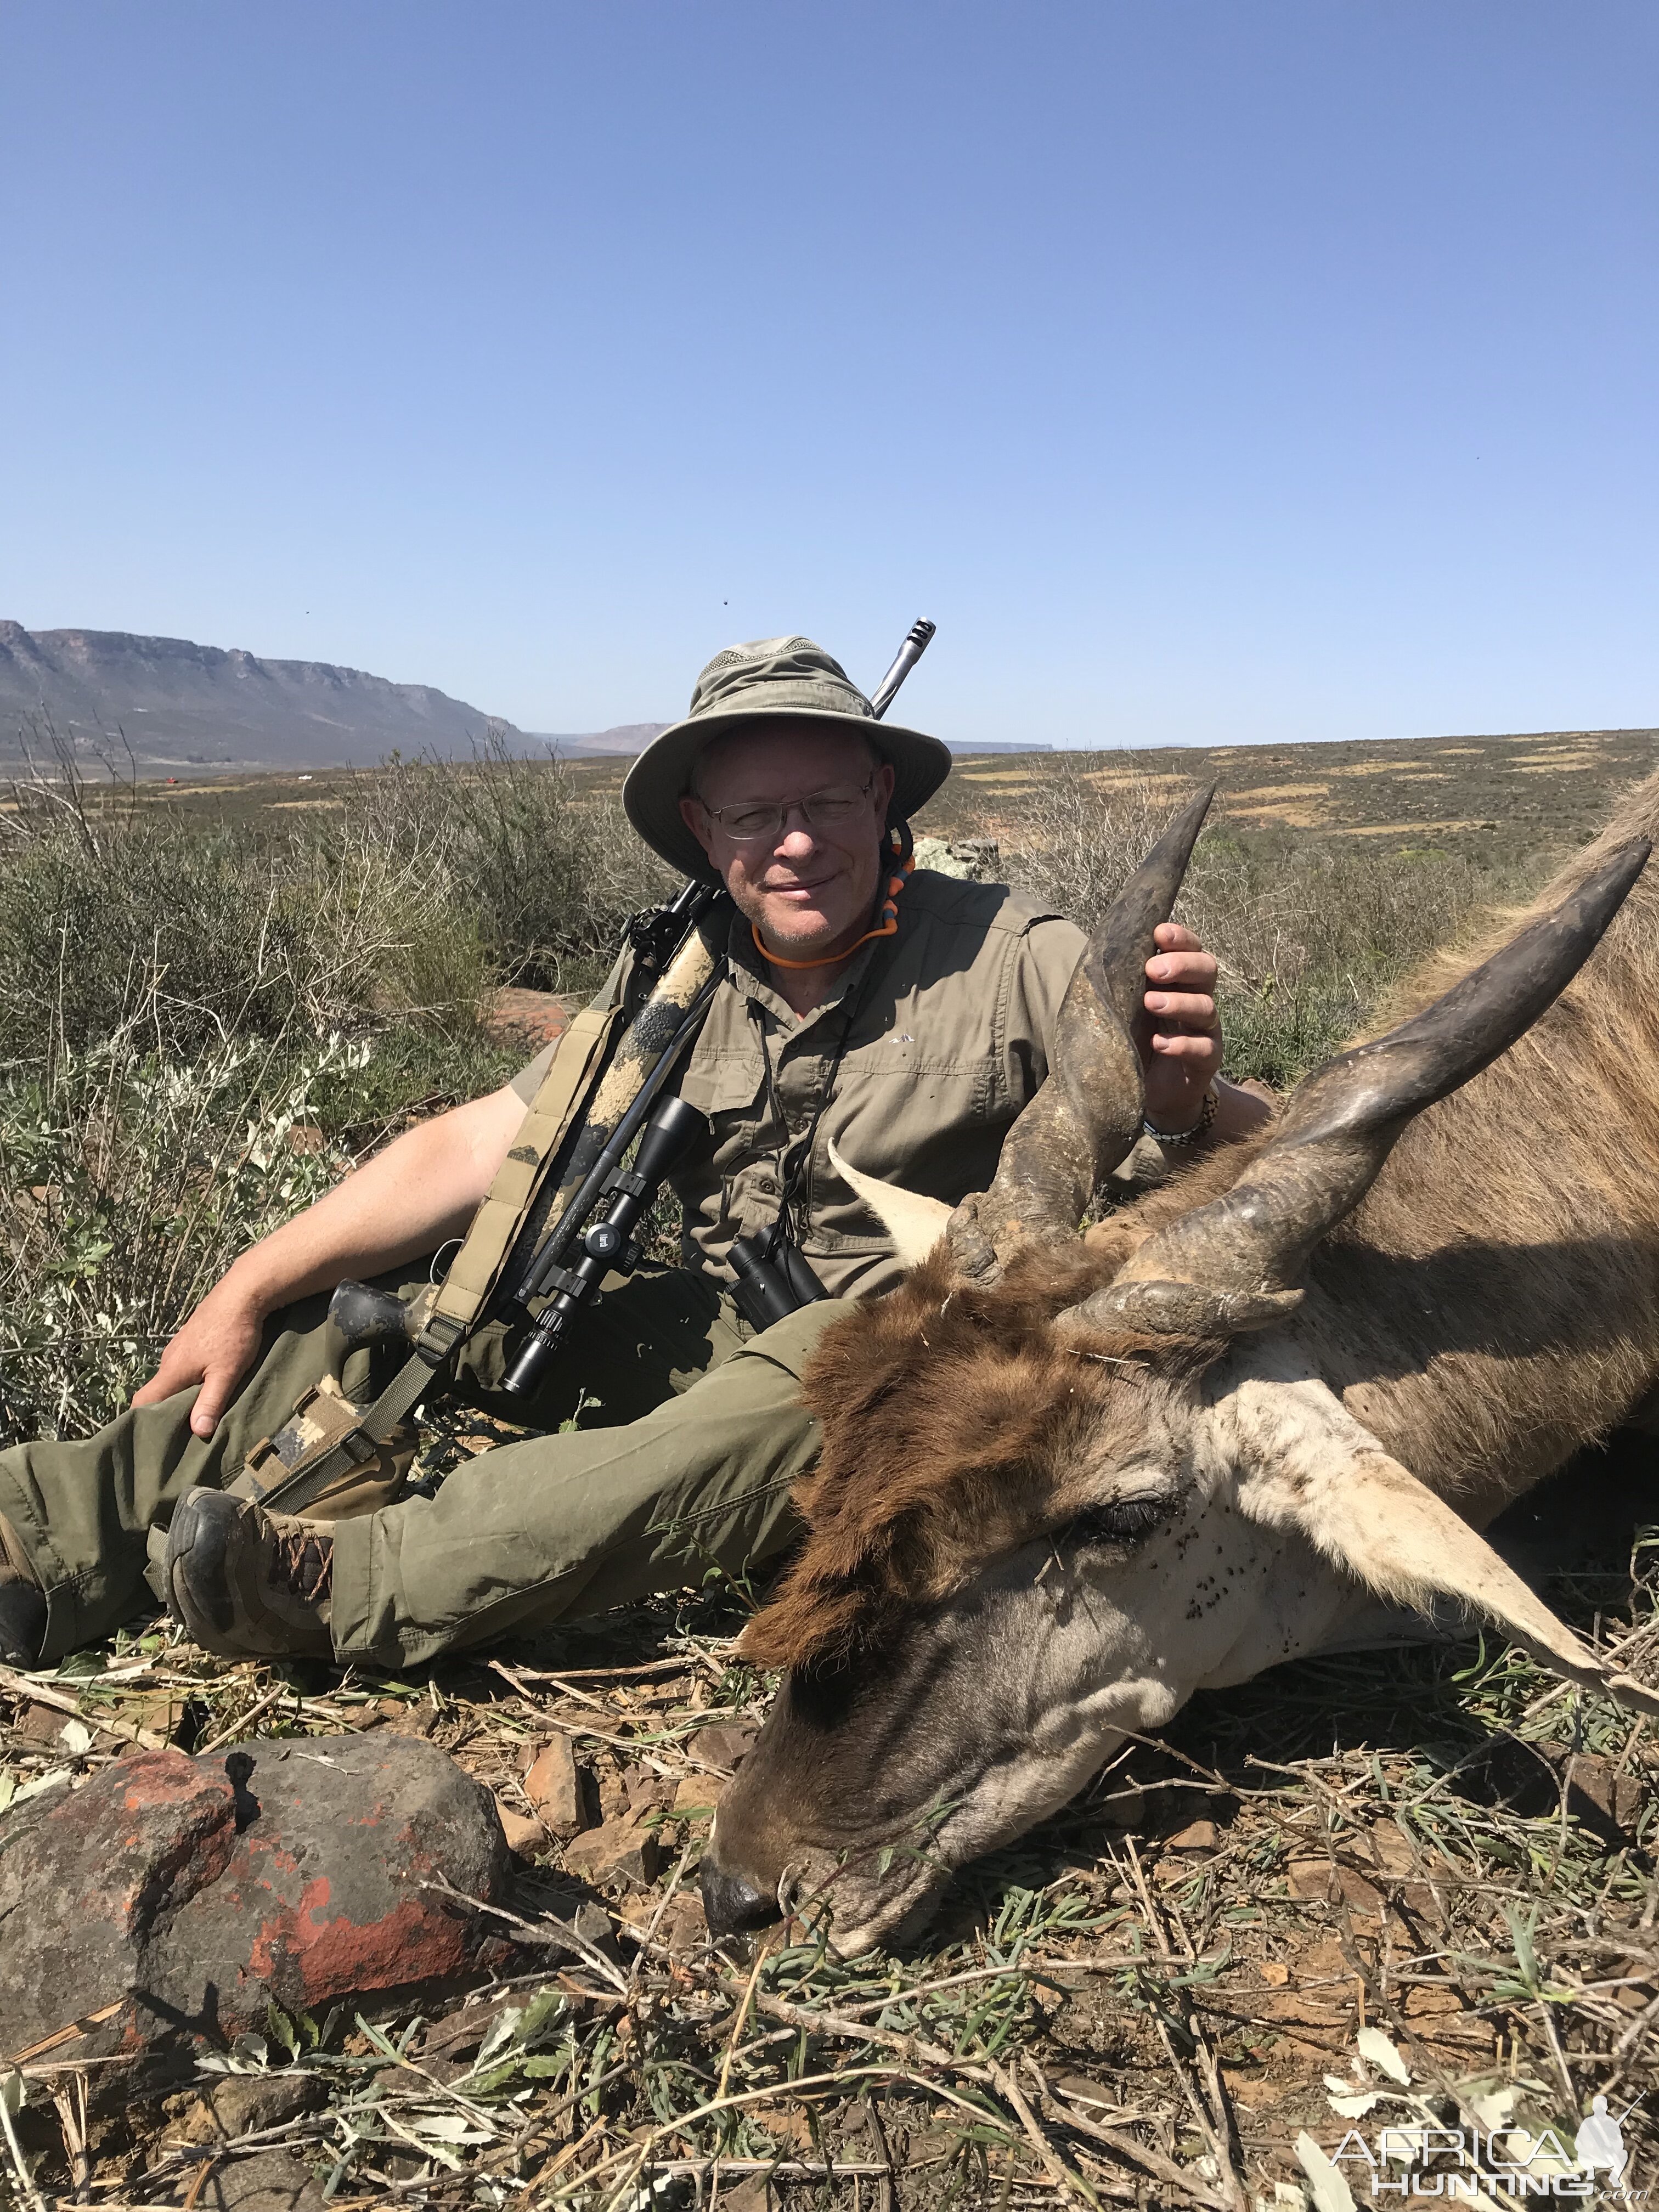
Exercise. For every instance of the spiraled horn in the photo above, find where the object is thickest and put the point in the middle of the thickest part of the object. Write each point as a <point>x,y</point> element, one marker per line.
<point>1236,1262</point>
<point>1087,1115</point>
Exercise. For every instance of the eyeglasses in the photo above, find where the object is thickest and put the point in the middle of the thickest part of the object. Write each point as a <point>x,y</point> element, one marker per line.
<point>751,821</point>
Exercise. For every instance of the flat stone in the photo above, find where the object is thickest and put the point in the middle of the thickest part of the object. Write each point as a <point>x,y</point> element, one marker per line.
<point>1616,1797</point>
<point>41,1728</point>
<point>242,2104</point>
<point>723,1744</point>
<point>698,1796</point>
<point>1316,1879</point>
<point>1085,2092</point>
<point>1311,1878</point>
<point>525,1836</point>
<point>170,1901</point>
<point>270,2181</point>
<point>617,1852</point>
<point>754,2193</point>
<point>555,1785</point>
<point>646,1791</point>
<point>1197,1836</point>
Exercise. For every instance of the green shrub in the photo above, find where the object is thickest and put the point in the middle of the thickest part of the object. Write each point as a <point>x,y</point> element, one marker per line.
<point>1309,932</point>
<point>223,938</point>
<point>545,865</point>
<point>132,1181</point>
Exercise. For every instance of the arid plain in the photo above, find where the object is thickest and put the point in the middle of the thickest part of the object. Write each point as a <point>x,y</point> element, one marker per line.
<point>1424,1878</point>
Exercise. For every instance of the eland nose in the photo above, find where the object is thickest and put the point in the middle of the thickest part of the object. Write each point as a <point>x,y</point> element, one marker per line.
<point>733,1906</point>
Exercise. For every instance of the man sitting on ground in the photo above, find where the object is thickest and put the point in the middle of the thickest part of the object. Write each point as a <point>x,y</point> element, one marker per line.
<point>910,1040</point>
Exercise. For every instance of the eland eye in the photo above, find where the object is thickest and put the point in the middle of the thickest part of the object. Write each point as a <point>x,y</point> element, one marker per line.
<point>1124,1521</point>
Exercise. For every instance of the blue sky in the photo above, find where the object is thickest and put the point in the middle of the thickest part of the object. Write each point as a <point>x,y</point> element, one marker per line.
<point>1207,372</point>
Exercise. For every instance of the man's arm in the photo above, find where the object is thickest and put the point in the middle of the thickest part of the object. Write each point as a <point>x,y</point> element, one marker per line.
<point>407,1200</point>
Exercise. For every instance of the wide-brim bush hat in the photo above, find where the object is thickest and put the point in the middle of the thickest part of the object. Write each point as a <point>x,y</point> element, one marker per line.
<point>769,679</point>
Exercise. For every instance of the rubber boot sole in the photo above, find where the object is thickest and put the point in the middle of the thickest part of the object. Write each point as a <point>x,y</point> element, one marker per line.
<point>197,1544</point>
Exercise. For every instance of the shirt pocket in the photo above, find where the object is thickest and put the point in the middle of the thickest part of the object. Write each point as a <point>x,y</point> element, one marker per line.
<point>930,1130</point>
<point>714,1185</point>
<point>730,1082</point>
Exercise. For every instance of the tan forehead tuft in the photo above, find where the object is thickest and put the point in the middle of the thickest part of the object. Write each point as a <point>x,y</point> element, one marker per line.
<point>956,1429</point>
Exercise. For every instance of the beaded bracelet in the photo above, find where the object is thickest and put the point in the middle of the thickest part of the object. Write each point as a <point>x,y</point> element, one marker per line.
<point>1206,1115</point>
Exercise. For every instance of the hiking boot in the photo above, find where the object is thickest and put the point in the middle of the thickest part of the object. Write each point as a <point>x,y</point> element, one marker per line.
<point>22,1602</point>
<point>242,1582</point>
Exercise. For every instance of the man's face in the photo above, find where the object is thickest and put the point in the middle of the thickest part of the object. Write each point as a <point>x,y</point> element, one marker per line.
<point>811,888</point>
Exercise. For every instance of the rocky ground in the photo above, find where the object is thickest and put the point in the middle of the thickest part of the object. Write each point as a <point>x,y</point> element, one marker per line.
<point>1414,1890</point>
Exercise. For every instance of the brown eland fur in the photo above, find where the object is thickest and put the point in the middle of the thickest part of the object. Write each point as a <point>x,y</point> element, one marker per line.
<point>955,1427</point>
<point>1490,1306</point>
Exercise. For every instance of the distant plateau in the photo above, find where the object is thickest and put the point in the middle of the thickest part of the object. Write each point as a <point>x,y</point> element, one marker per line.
<point>174,705</point>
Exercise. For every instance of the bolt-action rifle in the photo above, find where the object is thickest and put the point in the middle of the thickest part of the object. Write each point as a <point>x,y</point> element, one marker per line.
<point>563,1211</point>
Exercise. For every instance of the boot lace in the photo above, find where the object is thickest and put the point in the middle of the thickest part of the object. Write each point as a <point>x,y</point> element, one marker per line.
<point>302,1561</point>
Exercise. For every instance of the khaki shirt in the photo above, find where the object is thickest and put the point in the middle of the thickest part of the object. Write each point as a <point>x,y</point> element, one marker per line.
<point>949,1027</point>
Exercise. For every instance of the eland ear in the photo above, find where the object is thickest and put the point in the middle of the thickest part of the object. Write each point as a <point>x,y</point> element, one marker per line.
<point>915,1223</point>
<point>1307,1464</point>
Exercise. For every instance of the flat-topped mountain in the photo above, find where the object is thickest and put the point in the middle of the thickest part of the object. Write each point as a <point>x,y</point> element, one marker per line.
<point>624,742</point>
<point>180,703</point>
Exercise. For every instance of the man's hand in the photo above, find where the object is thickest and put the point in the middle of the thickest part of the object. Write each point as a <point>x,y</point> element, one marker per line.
<point>407,1200</point>
<point>216,1347</point>
<point>1180,1039</point>
<point>1182,1053</point>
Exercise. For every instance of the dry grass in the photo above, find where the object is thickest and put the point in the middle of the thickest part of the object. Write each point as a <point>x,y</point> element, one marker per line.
<point>1308,932</point>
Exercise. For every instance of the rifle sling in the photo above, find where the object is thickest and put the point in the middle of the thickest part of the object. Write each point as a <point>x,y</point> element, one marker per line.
<point>464,1295</point>
<point>465,1291</point>
<point>307,1480</point>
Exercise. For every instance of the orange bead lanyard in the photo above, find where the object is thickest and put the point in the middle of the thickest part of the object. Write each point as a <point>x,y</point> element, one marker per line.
<point>887,926</point>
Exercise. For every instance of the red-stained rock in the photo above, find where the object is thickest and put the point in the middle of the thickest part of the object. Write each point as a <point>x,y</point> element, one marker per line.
<point>86,1879</point>
<point>328,1877</point>
<point>170,1900</point>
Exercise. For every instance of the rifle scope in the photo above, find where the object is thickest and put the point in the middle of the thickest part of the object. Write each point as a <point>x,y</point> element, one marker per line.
<point>606,1245</point>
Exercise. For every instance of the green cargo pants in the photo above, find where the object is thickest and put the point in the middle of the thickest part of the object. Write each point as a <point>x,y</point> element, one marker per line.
<point>691,1437</point>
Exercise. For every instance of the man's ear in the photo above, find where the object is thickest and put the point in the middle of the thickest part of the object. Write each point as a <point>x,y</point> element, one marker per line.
<point>1305,1463</point>
<point>882,789</point>
<point>694,815</point>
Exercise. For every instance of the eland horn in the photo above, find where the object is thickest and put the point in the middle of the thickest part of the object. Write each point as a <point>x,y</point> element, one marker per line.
<point>1087,1116</point>
<point>1236,1263</point>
